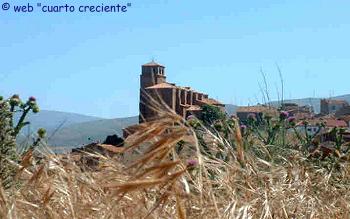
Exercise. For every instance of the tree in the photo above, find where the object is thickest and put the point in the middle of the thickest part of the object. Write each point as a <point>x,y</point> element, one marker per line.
<point>211,114</point>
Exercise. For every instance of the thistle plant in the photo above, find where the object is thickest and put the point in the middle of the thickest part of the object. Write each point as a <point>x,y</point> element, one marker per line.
<point>9,130</point>
<point>18,106</point>
<point>266,129</point>
<point>41,135</point>
<point>305,137</point>
<point>7,144</point>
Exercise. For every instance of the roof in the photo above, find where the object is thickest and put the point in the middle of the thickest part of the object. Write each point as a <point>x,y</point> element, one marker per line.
<point>336,123</point>
<point>253,109</point>
<point>152,63</point>
<point>303,115</point>
<point>162,85</point>
<point>332,101</point>
<point>345,118</point>
<point>210,101</point>
<point>329,122</point>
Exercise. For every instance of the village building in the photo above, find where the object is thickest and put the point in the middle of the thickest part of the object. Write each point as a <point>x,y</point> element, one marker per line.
<point>293,108</point>
<point>299,112</point>
<point>258,112</point>
<point>315,126</point>
<point>345,111</point>
<point>345,118</point>
<point>331,106</point>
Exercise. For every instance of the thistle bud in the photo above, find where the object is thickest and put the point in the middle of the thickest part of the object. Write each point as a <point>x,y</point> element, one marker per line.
<point>15,96</point>
<point>41,133</point>
<point>14,100</point>
<point>32,99</point>
<point>35,109</point>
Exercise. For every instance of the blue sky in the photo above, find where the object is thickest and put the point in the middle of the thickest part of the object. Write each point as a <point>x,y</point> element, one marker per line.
<point>90,63</point>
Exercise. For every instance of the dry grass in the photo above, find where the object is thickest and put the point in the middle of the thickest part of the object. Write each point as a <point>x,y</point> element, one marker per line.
<point>159,183</point>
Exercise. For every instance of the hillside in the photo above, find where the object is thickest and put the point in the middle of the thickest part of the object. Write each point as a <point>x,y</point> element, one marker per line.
<point>231,109</point>
<point>87,132</point>
<point>72,129</point>
<point>50,120</point>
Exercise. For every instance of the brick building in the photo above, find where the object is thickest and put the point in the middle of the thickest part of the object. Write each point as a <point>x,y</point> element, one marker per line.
<point>182,100</point>
<point>330,106</point>
<point>294,109</point>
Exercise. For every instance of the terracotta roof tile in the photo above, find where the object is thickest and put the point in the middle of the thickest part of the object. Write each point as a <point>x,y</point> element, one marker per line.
<point>336,123</point>
<point>162,85</point>
<point>210,101</point>
<point>329,122</point>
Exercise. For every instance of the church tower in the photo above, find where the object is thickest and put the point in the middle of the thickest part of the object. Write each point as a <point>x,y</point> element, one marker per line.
<point>152,74</point>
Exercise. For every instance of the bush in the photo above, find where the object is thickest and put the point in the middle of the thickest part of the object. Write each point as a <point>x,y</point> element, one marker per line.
<point>212,114</point>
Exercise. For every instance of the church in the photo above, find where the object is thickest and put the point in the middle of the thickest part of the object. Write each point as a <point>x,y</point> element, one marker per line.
<point>154,88</point>
<point>182,100</point>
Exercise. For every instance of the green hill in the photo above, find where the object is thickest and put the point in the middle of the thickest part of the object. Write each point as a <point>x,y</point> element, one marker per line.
<point>71,129</point>
<point>230,109</point>
<point>50,120</point>
<point>87,132</point>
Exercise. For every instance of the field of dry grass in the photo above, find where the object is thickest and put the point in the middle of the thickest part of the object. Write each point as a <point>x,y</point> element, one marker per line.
<point>163,182</point>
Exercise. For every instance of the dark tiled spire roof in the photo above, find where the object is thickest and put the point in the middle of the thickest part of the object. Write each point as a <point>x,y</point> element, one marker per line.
<point>152,63</point>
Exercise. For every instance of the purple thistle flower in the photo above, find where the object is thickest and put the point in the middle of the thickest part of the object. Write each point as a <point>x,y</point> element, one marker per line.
<point>291,119</point>
<point>192,163</point>
<point>243,127</point>
<point>284,115</point>
<point>190,117</point>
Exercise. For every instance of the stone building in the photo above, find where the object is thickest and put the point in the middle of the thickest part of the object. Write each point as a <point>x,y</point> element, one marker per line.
<point>330,106</point>
<point>293,108</point>
<point>345,111</point>
<point>182,100</point>
<point>257,111</point>
<point>155,89</point>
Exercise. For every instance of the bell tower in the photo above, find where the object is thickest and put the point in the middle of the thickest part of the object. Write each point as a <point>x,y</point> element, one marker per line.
<point>152,74</point>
